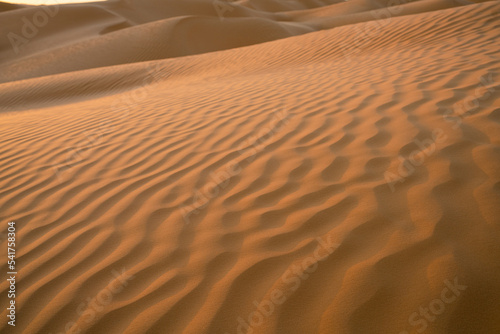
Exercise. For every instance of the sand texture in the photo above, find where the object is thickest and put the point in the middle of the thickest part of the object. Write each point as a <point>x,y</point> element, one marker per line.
<point>252,167</point>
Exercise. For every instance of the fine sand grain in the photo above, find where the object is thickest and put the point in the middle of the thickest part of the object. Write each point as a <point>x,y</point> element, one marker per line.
<point>259,166</point>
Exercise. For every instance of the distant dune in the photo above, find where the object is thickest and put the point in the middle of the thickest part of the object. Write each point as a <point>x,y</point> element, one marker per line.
<point>253,167</point>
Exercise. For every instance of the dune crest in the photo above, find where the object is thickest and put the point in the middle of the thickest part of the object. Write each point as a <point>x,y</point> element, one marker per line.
<point>288,167</point>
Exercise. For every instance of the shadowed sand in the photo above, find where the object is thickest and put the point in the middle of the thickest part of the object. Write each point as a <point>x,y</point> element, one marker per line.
<point>287,167</point>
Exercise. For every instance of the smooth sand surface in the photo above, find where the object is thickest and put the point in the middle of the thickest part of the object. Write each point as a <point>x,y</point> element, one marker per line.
<point>285,167</point>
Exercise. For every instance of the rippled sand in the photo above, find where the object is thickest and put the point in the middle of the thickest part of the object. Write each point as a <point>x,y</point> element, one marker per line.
<point>263,166</point>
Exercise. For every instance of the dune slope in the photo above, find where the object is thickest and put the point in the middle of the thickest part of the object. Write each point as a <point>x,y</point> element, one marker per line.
<point>338,177</point>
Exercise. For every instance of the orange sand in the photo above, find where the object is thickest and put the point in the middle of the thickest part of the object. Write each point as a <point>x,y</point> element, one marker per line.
<point>286,167</point>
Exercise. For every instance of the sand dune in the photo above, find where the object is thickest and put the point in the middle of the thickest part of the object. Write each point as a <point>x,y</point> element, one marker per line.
<point>151,30</point>
<point>289,167</point>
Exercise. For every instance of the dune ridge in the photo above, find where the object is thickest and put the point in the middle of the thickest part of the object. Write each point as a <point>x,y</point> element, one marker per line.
<point>171,29</point>
<point>329,173</point>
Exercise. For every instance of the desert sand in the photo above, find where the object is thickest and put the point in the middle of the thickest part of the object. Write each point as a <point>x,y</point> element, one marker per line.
<point>258,166</point>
